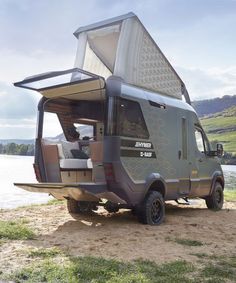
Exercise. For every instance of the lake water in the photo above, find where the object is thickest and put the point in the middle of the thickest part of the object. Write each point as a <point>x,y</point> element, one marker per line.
<point>20,169</point>
<point>230,176</point>
<point>17,169</point>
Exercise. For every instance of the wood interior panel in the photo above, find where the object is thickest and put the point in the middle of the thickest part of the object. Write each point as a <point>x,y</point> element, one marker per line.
<point>51,163</point>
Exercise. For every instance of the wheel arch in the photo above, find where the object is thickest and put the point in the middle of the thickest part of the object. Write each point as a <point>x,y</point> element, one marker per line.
<point>156,183</point>
<point>217,177</point>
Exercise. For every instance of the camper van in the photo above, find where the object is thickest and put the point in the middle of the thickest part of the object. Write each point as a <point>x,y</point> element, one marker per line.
<point>131,138</point>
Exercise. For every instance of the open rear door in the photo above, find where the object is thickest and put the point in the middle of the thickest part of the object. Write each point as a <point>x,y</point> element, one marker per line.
<point>73,84</point>
<point>77,191</point>
<point>63,83</point>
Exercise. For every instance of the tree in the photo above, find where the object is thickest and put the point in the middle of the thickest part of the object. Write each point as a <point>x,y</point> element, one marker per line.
<point>30,150</point>
<point>22,149</point>
<point>11,148</point>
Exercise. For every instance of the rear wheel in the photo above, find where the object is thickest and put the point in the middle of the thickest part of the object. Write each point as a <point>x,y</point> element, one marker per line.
<point>216,199</point>
<point>80,207</point>
<point>152,209</point>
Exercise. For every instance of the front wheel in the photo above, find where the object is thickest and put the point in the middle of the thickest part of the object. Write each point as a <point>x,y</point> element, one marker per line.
<point>152,209</point>
<point>216,199</point>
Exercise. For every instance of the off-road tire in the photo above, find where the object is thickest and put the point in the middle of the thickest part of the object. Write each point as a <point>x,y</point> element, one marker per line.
<point>80,207</point>
<point>111,207</point>
<point>152,210</point>
<point>216,199</point>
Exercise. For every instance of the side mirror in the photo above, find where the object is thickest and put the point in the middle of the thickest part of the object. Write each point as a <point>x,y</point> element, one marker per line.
<point>219,149</point>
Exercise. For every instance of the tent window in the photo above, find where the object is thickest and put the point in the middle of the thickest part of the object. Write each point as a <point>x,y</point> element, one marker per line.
<point>93,64</point>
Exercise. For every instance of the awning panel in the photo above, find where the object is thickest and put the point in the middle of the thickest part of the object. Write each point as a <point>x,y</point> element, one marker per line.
<point>63,83</point>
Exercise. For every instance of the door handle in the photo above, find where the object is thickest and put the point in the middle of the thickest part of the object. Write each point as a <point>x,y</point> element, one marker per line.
<point>179,154</point>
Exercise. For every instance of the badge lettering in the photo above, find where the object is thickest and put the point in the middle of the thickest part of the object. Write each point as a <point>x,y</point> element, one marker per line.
<point>143,144</point>
<point>146,154</point>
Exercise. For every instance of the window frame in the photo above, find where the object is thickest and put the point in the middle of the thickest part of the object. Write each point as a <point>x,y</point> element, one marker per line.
<point>113,126</point>
<point>205,141</point>
<point>125,100</point>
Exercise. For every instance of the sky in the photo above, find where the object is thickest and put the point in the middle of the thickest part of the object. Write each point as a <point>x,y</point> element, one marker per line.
<point>198,37</point>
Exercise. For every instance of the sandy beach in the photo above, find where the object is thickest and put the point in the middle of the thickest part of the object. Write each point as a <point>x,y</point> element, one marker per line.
<point>120,236</point>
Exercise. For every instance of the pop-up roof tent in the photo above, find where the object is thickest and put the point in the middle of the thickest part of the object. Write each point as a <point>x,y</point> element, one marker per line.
<point>122,47</point>
<point>119,46</point>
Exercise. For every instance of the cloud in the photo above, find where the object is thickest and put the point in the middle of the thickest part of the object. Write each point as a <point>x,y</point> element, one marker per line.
<point>17,112</point>
<point>197,37</point>
<point>209,83</point>
<point>207,43</point>
<point>16,123</point>
<point>16,104</point>
<point>16,66</point>
<point>17,128</point>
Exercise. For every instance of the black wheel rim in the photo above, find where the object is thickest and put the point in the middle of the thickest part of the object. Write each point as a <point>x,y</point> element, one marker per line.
<point>156,211</point>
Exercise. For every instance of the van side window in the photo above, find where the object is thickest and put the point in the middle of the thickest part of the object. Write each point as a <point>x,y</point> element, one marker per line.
<point>130,120</point>
<point>199,140</point>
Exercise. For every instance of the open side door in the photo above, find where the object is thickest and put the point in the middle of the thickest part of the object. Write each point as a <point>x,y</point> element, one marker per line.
<point>63,83</point>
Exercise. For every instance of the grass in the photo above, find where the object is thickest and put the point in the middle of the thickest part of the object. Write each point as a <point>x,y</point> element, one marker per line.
<point>50,202</point>
<point>2,242</point>
<point>55,202</point>
<point>200,255</point>
<point>51,265</point>
<point>216,269</point>
<point>44,253</point>
<point>24,220</point>
<point>221,122</point>
<point>99,270</point>
<point>185,242</point>
<point>15,231</point>
<point>230,195</point>
<point>220,268</point>
<point>188,242</point>
<point>228,139</point>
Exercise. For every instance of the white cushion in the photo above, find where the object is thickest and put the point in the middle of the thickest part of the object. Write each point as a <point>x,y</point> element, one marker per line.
<point>73,163</point>
<point>68,146</point>
<point>89,163</point>
<point>60,151</point>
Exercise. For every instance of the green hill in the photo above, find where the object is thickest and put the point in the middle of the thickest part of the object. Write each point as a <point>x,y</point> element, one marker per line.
<point>215,105</point>
<point>221,127</point>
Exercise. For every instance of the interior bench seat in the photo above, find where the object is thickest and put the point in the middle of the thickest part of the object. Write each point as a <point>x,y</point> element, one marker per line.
<point>75,163</point>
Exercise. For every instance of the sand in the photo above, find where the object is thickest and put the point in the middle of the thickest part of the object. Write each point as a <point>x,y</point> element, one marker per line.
<point>120,236</point>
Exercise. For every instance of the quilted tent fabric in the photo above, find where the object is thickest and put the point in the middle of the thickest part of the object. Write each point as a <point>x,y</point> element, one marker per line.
<point>124,48</point>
